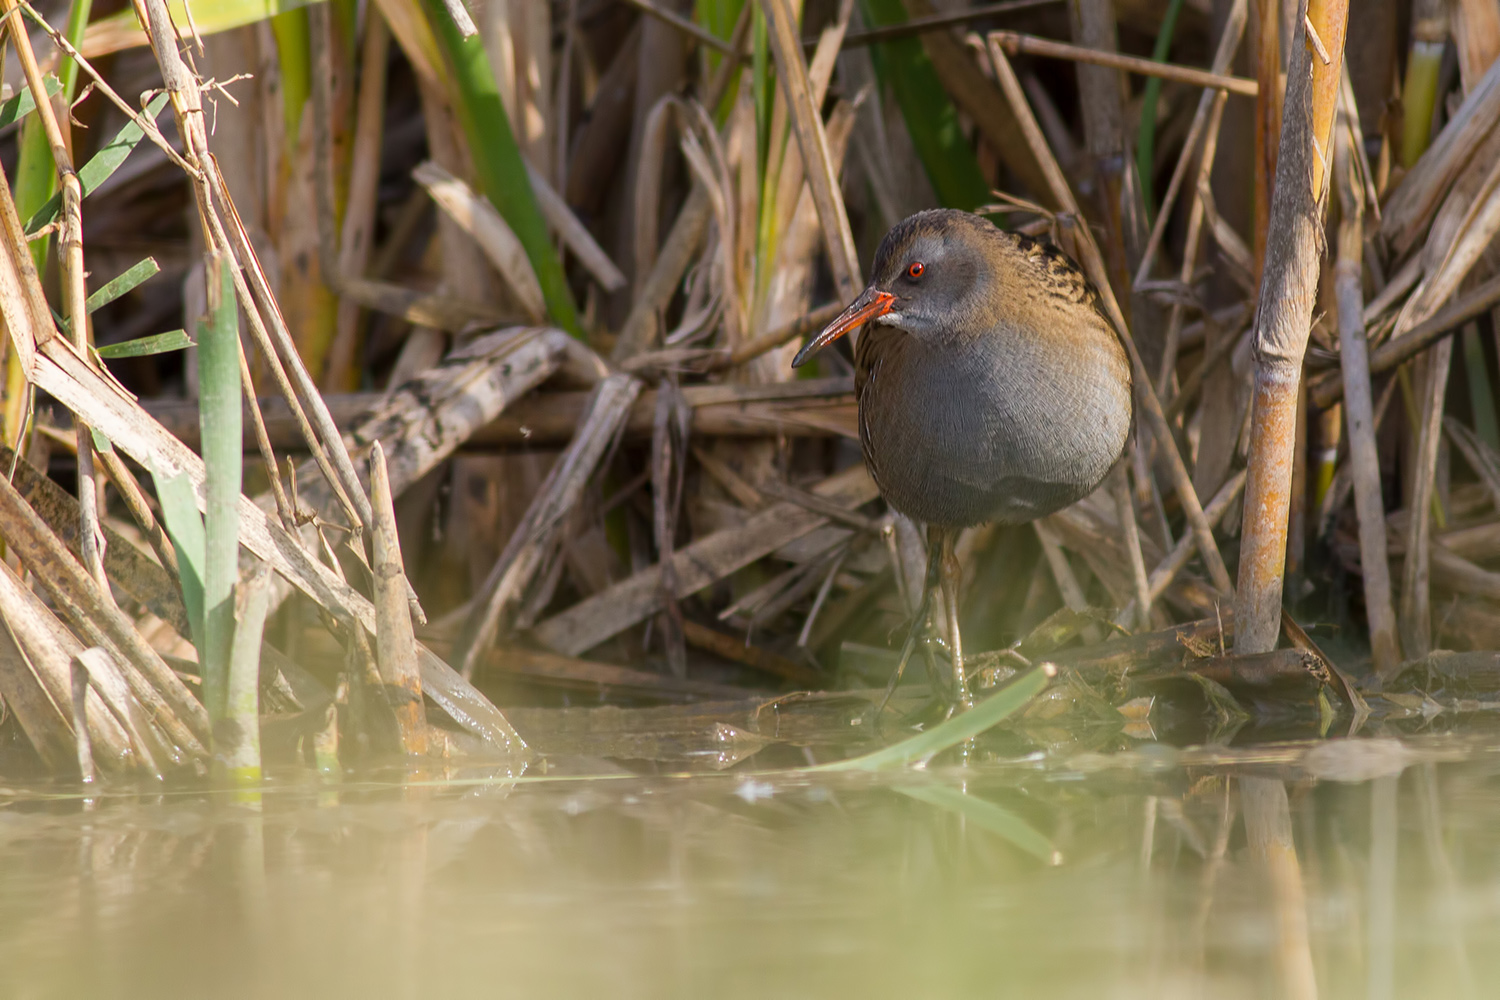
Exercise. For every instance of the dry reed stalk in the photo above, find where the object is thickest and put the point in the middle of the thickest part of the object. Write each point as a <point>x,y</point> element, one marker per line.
<point>1094,265</point>
<point>75,593</point>
<point>1175,561</point>
<point>70,257</point>
<point>597,618</point>
<point>396,646</point>
<point>807,125</point>
<point>1476,33</point>
<point>537,534</point>
<point>1328,388</point>
<point>815,408</point>
<point>36,680</point>
<point>975,95</point>
<point>135,501</point>
<point>357,235</point>
<point>1191,245</point>
<point>1062,571</point>
<point>1284,317</point>
<point>574,235</point>
<point>1101,93</point>
<point>1017,44</point>
<point>1460,246</point>
<point>276,342</point>
<point>1411,207</point>
<point>1125,511</point>
<point>424,421</point>
<point>477,217</point>
<point>147,583</point>
<point>1229,43</point>
<point>1359,409</point>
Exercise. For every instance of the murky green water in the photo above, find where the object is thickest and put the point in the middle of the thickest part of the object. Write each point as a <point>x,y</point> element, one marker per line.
<point>1347,869</point>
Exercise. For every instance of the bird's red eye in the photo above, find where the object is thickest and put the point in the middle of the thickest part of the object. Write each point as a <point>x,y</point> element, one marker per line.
<point>916,269</point>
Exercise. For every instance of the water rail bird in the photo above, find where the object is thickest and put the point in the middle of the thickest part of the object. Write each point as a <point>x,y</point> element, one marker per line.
<point>991,387</point>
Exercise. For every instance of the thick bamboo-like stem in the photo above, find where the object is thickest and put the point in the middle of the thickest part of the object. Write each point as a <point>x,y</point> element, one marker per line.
<point>395,643</point>
<point>1284,318</point>
<point>1093,263</point>
<point>1360,414</point>
<point>1268,117</point>
<point>74,294</point>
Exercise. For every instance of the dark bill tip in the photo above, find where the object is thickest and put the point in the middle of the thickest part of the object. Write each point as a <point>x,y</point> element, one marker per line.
<point>869,305</point>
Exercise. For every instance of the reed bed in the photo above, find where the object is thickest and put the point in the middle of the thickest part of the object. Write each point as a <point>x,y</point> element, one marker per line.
<point>432,357</point>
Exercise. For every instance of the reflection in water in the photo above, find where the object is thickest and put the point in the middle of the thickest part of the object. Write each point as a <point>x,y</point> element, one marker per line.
<point>1146,874</point>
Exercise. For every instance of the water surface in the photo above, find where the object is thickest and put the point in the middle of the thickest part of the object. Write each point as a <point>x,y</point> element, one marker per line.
<point>1359,868</point>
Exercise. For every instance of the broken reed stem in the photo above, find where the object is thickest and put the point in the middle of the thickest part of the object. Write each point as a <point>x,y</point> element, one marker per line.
<point>220,417</point>
<point>1364,459</point>
<point>1284,319</point>
<point>74,294</point>
<point>1093,263</point>
<point>395,642</point>
<point>1017,44</point>
<point>76,595</point>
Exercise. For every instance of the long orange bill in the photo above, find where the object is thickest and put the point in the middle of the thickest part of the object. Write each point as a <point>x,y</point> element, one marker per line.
<point>868,306</point>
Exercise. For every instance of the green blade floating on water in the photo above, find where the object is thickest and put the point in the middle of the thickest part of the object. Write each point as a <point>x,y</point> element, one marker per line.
<point>994,709</point>
<point>985,814</point>
<point>158,343</point>
<point>100,168</point>
<point>124,284</point>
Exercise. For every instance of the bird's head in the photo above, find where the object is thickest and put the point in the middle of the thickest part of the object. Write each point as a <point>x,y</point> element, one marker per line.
<point>930,278</point>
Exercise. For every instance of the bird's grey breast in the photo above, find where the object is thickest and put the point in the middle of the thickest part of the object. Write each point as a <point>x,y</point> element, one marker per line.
<point>1003,428</point>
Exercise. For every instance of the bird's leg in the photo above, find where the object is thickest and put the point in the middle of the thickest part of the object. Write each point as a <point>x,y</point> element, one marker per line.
<point>950,575</point>
<point>918,624</point>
